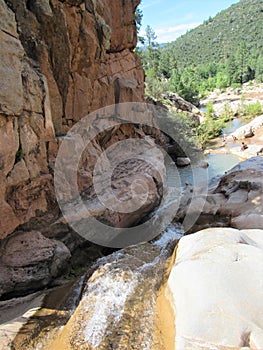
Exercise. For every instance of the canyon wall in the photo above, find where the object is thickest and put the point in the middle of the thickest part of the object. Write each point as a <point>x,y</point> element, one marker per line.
<point>61,60</point>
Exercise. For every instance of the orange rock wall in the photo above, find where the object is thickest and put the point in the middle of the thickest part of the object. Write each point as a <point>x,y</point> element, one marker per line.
<point>60,60</point>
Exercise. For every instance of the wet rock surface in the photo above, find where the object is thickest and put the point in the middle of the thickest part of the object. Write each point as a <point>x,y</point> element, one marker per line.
<point>236,201</point>
<point>117,307</point>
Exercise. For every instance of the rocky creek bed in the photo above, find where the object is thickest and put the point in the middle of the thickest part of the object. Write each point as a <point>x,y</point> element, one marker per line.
<point>117,303</point>
<point>238,134</point>
<point>152,296</point>
<point>212,299</point>
<point>67,59</point>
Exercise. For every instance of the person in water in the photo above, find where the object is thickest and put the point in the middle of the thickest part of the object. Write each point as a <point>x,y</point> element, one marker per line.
<point>244,146</point>
<point>223,143</point>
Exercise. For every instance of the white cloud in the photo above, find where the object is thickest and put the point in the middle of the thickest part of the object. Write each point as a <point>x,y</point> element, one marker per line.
<point>150,4</point>
<point>168,34</point>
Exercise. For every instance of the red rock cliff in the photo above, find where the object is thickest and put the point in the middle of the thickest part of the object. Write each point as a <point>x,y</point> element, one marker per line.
<point>60,61</point>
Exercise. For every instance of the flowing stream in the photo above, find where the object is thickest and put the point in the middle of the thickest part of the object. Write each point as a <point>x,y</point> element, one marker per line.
<point>218,163</point>
<point>118,304</point>
<point>117,308</point>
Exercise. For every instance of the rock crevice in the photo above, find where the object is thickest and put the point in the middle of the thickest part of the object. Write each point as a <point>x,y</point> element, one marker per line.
<point>60,61</point>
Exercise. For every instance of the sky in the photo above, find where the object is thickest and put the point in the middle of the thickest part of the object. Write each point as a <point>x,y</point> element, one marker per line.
<point>172,18</point>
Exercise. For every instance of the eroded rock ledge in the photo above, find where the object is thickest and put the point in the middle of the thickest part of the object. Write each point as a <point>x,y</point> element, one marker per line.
<point>235,201</point>
<point>60,61</point>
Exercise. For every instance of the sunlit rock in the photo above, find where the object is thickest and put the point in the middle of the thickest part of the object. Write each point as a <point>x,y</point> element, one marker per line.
<point>216,290</point>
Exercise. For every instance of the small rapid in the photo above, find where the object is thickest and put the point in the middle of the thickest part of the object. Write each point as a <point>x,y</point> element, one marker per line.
<point>115,308</point>
<point>118,305</point>
<point>120,298</point>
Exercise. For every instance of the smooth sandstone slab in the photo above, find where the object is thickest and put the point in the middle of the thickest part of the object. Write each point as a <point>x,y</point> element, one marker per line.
<point>216,290</point>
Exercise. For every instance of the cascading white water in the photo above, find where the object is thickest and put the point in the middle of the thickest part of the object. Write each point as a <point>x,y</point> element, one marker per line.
<point>105,300</point>
<point>118,278</point>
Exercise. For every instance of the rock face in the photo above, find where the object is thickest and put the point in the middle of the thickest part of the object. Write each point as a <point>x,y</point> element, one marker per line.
<point>60,61</point>
<point>180,105</point>
<point>232,98</point>
<point>245,131</point>
<point>216,290</point>
<point>29,261</point>
<point>237,201</point>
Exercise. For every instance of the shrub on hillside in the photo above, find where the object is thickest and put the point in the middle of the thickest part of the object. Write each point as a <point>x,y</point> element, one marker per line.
<point>253,109</point>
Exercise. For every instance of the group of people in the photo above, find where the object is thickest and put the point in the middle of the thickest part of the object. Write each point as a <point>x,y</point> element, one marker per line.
<point>244,146</point>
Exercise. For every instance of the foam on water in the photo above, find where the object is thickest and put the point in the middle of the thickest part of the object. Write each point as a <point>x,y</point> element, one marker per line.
<point>110,295</point>
<point>111,288</point>
<point>171,234</point>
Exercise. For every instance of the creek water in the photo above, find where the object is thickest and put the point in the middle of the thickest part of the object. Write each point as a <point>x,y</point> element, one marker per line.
<point>120,300</point>
<point>117,303</point>
<point>110,298</point>
<point>195,175</point>
<point>219,163</point>
<point>233,125</point>
<point>124,295</point>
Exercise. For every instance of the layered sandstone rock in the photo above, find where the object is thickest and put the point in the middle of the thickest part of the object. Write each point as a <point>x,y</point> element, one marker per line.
<point>215,288</point>
<point>60,61</point>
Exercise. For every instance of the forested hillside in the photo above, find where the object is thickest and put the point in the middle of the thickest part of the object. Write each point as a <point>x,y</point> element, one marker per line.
<point>226,50</point>
<point>217,38</point>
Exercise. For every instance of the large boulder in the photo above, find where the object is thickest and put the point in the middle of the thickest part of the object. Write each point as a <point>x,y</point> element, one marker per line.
<point>29,261</point>
<point>249,129</point>
<point>126,185</point>
<point>183,161</point>
<point>117,306</point>
<point>216,290</point>
<point>236,201</point>
<point>180,105</point>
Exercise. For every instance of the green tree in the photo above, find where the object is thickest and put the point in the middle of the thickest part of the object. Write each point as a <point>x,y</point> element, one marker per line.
<point>150,55</point>
<point>167,63</point>
<point>174,81</point>
<point>210,110</point>
<point>259,69</point>
<point>221,80</point>
<point>242,63</point>
<point>138,21</point>
<point>155,87</point>
<point>150,36</point>
<point>190,82</point>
